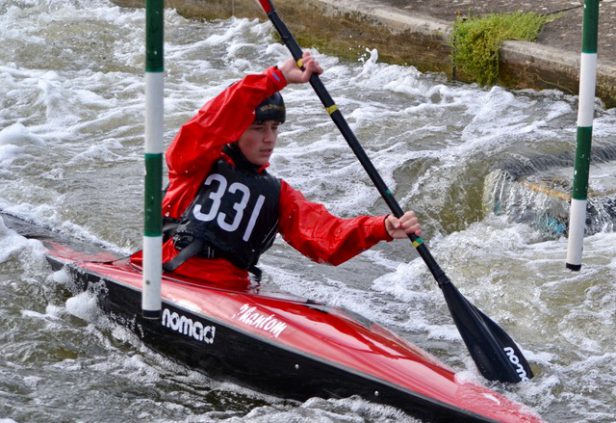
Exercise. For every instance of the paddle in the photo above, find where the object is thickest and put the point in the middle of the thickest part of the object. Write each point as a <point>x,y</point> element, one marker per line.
<point>497,356</point>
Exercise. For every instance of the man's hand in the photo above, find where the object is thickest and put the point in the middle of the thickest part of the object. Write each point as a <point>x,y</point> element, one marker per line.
<point>401,228</point>
<point>295,75</point>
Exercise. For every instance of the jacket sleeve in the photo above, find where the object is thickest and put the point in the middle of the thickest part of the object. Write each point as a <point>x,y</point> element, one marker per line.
<point>315,232</point>
<point>220,121</point>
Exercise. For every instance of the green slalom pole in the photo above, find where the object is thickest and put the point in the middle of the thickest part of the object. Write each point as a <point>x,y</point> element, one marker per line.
<point>154,94</point>
<point>588,78</point>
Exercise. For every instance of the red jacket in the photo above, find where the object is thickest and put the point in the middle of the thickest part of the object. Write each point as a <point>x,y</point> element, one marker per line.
<point>306,226</point>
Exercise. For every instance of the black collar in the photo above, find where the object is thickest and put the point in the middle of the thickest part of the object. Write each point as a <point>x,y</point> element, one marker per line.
<point>233,151</point>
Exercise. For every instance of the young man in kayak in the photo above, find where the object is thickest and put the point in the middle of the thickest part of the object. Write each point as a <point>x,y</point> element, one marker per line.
<point>228,206</point>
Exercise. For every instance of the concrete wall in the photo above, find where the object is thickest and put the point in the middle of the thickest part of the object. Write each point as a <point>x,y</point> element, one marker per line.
<point>529,65</point>
<point>346,28</point>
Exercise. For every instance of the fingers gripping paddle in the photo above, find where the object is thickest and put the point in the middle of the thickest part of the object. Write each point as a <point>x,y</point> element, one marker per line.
<point>495,353</point>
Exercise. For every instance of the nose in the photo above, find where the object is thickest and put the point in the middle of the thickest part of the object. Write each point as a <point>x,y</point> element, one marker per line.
<point>270,135</point>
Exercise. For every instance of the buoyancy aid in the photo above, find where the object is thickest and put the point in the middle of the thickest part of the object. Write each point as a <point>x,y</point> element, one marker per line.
<point>234,214</point>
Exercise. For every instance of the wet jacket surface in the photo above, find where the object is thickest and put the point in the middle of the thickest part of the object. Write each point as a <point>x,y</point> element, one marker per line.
<point>306,226</point>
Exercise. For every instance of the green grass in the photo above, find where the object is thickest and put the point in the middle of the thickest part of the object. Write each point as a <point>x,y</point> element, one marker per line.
<point>477,41</point>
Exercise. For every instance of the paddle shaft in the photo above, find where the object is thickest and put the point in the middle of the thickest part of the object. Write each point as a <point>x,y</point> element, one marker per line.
<point>497,356</point>
<point>353,142</point>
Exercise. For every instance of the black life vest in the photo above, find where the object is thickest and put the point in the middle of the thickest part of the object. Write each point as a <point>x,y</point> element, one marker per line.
<point>234,215</point>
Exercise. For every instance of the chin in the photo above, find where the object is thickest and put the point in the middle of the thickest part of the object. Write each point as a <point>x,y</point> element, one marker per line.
<point>259,162</point>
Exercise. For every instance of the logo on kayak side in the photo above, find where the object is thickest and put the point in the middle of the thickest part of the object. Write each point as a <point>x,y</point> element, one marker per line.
<point>268,323</point>
<point>186,326</point>
<point>513,358</point>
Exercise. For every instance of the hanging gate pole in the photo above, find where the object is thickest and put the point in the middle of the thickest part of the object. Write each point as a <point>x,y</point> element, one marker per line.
<point>588,77</point>
<point>152,230</point>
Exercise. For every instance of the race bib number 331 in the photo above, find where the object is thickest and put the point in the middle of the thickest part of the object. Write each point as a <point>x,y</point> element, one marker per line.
<point>231,220</point>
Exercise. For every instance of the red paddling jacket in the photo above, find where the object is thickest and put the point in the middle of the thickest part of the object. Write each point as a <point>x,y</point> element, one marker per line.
<point>196,153</point>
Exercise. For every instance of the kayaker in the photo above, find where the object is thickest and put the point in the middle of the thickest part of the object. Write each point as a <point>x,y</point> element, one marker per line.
<point>230,208</point>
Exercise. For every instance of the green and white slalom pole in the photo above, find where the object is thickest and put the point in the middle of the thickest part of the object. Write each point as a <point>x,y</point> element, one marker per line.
<point>588,77</point>
<point>154,86</point>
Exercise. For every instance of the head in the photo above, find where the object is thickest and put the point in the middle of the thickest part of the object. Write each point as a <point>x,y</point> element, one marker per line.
<point>258,141</point>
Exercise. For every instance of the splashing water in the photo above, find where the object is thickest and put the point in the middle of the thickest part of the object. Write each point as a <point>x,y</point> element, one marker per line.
<point>71,146</point>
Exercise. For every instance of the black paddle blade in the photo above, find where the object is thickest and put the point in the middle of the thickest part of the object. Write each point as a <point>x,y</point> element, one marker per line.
<point>497,356</point>
<point>513,352</point>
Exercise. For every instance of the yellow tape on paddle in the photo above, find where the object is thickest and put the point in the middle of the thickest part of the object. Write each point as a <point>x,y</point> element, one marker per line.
<point>331,109</point>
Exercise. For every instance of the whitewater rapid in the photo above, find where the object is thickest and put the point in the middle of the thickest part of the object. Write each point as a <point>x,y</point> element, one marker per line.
<point>71,156</point>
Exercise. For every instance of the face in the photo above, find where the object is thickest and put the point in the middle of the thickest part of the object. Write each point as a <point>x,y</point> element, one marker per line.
<point>258,141</point>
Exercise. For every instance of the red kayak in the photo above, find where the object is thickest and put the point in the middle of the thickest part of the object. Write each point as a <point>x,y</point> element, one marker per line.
<point>275,343</point>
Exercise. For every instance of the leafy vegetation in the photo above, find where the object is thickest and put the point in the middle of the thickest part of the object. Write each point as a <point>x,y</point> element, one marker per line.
<point>477,41</point>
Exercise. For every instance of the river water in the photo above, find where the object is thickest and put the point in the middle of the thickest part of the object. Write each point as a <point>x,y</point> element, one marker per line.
<point>71,147</point>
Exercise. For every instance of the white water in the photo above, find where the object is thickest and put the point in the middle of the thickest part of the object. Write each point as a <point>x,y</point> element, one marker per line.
<point>71,145</point>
